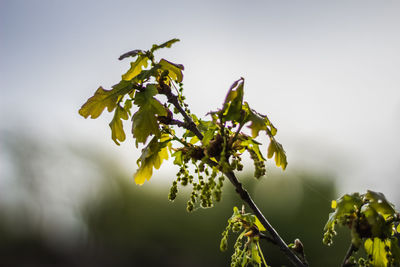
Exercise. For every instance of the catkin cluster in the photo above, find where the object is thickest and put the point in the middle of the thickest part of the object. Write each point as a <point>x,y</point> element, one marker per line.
<point>206,186</point>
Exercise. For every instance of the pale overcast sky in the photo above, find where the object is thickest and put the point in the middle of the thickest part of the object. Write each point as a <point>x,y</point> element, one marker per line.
<point>326,72</point>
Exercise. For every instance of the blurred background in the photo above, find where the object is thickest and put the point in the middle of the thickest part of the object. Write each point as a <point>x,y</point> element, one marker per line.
<point>326,73</point>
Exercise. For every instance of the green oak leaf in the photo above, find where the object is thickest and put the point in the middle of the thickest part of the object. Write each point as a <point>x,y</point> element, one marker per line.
<point>144,121</point>
<point>178,158</point>
<point>166,44</point>
<point>208,129</point>
<point>347,205</point>
<point>152,157</point>
<point>259,225</point>
<point>280,154</point>
<point>146,74</point>
<point>102,99</point>
<point>376,221</point>
<point>128,106</point>
<point>174,70</point>
<point>117,130</point>
<point>232,108</point>
<point>136,68</point>
<point>379,202</point>
<point>376,249</point>
<point>252,144</point>
<point>259,122</point>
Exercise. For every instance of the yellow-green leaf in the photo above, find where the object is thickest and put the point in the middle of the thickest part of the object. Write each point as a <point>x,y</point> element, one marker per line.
<point>152,157</point>
<point>379,202</point>
<point>259,122</point>
<point>144,121</point>
<point>102,99</point>
<point>144,173</point>
<point>117,130</point>
<point>232,108</point>
<point>194,140</point>
<point>376,248</point>
<point>259,225</point>
<point>136,68</point>
<point>174,70</point>
<point>166,44</point>
<point>280,154</point>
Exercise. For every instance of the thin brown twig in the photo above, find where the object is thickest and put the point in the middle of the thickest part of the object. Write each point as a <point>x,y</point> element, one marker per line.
<point>350,252</point>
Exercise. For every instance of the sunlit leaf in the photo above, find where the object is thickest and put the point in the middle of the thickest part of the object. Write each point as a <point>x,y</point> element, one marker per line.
<point>166,44</point>
<point>146,74</point>
<point>346,206</point>
<point>175,70</point>
<point>376,221</point>
<point>128,106</point>
<point>232,108</point>
<point>117,130</point>
<point>280,154</point>
<point>259,225</point>
<point>152,157</point>
<point>178,158</point>
<point>259,122</point>
<point>194,140</point>
<point>102,99</point>
<point>376,248</point>
<point>136,68</point>
<point>144,121</point>
<point>379,202</point>
<point>143,173</point>
<point>208,129</point>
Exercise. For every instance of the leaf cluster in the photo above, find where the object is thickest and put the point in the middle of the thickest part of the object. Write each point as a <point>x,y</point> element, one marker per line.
<point>374,224</point>
<point>212,146</point>
<point>247,250</point>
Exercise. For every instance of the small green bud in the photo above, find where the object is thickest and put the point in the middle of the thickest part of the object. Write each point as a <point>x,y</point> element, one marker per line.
<point>224,244</point>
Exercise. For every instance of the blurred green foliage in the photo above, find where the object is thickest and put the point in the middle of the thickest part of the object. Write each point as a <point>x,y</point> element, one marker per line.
<point>129,225</point>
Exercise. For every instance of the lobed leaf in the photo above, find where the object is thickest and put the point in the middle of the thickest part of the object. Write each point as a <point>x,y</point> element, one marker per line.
<point>377,226</point>
<point>152,157</point>
<point>136,68</point>
<point>259,122</point>
<point>376,249</point>
<point>102,99</point>
<point>166,44</point>
<point>232,108</point>
<point>117,130</point>
<point>344,207</point>
<point>144,121</point>
<point>280,154</point>
<point>252,144</point>
<point>174,70</point>
<point>379,202</point>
